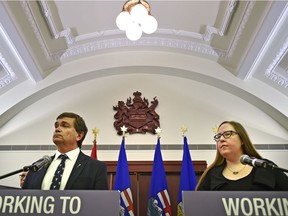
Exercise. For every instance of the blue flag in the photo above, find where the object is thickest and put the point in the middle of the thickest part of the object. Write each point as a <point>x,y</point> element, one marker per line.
<point>188,179</point>
<point>122,183</point>
<point>159,200</point>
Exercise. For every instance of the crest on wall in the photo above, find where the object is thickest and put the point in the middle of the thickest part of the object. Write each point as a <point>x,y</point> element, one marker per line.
<point>137,115</point>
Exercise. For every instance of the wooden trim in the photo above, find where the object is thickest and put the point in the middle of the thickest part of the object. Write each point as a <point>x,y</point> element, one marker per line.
<point>146,166</point>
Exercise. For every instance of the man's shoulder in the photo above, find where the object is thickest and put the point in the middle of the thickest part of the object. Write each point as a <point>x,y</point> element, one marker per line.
<point>90,160</point>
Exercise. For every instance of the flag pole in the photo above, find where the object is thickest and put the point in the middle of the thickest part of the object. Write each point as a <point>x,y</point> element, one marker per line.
<point>188,179</point>
<point>95,131</point>
<point>122,180</point>
<point>159,200</point>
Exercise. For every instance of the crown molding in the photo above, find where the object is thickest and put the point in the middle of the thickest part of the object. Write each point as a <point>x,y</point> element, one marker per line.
<point>271,72</point>
<point>143,42</point>
<point>210,30</point>
<point>9,76</point>
<point>78,45</point>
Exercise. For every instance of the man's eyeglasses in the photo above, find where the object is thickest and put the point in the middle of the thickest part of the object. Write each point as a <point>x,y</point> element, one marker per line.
<point>226,134</point>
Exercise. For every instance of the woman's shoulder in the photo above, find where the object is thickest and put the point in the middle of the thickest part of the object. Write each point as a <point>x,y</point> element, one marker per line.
<point>271,176</point>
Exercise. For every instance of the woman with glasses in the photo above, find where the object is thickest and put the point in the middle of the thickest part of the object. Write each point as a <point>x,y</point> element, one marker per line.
<point>229,174</point>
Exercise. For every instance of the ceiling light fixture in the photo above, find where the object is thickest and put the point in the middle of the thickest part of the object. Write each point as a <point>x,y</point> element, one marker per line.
<point>136,18</point>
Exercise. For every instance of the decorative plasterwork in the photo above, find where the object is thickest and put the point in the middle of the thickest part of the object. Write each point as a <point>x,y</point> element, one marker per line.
<point>26,7</point>
<point>76,49</point>
<point>77,45</point>
<point>153,41</point>
<point>210,30</point>
<point>271,72</point>
<point>278,78</point>
<point>207,36</point>
<point>66,33</point>
<point>248,11</point>
<point>9,75</point>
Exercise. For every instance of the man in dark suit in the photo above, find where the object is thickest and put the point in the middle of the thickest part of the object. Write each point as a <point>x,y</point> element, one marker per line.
<point>80,172</point>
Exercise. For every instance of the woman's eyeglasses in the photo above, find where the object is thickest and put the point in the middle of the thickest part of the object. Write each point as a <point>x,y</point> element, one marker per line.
<point>226,134</point>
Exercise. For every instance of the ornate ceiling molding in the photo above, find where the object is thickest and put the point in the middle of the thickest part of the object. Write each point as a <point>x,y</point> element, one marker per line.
<point>76,49</point>
<point>70,39</point>
<point>271,72</point>
<point>210,30</point>
<point>247,13</point>
<point>66,33</point>
<point>79,46</point>
<point>9,75</point>
<point>145,41</point>
<point>31,19</point>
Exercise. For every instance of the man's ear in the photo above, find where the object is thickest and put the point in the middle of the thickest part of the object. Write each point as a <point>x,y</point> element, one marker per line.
<point>80,136</point>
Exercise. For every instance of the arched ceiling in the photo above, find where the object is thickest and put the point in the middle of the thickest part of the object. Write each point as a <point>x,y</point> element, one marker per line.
<point>247,41</point>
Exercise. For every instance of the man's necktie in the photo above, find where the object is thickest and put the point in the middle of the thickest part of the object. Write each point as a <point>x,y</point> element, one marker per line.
<point>56,181</point>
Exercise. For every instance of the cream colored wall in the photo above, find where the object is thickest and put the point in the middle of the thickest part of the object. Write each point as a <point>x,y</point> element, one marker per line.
<point>191,91</point>
<point>198,106</point>
<point>181,101</point>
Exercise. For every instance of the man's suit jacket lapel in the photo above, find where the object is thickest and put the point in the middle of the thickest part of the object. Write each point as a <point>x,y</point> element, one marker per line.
<point>77,169</point>
<point>41,173</point>
<point>37,178</point>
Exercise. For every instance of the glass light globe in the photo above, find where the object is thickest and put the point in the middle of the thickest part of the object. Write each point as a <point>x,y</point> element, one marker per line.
<point>138,13</point>
<point>123,20</point>
<point>149,25</point>
<point>133,31</point>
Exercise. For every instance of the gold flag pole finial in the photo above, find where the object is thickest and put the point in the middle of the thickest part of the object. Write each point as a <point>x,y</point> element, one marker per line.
<point>95,131</point>
<point>184,129</point>
<point>215,129</point>
<point>124,130</point>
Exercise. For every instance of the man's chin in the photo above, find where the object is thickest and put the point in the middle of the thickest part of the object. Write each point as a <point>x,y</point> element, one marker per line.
<point>57,141</point>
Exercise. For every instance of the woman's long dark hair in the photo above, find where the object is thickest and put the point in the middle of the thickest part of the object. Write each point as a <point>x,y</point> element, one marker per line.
<point>248,148</point>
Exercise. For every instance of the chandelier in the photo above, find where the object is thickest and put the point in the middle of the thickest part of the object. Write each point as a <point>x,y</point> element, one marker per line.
<point>136,18</point>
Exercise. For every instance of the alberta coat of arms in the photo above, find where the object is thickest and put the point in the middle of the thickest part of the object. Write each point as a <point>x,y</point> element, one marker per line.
<point>137,115</point>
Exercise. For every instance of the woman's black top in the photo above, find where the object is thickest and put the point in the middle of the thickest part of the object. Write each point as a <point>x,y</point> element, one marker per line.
<point>259,179</point>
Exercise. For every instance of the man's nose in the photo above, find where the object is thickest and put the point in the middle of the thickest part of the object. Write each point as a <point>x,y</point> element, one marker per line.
<point>57,129</point>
